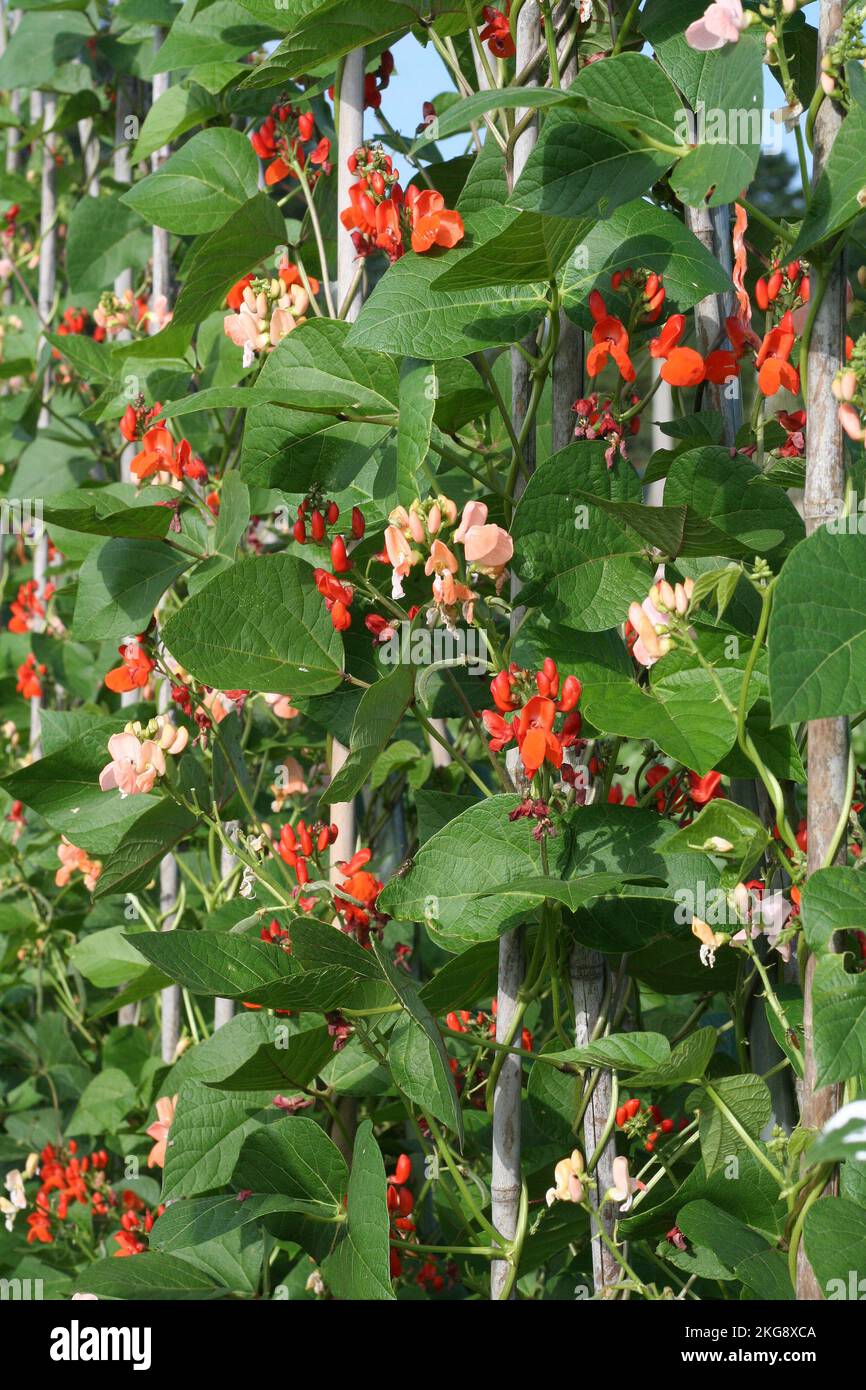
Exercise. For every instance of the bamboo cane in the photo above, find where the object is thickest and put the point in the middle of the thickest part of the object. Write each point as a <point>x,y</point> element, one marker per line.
<point>506,1171</point>
<point>350,134</point>
<point>44,106</point>
<point>823,499</point>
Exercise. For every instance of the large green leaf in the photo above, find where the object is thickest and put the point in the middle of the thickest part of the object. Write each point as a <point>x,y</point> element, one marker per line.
<point>359,1266</point>
<point>416,1053</point>
<point>585,168</point>
<point>261,625</point>
<point>724,87</point>
<point>64,789</point>
<point>835,1240</point>
<point>294,1159</point>
<point>228,253</point>
<point>204,183</point>
<point>574,552</point>
<point>103,238</point>
<point>291,449</point>
<point>817,635</point>
<point>833,900</point>
<point>835,198</point>
<point>157,1278</point>
<point>839,1005</point>
<point>120,584</point>
<point>206,1135</point>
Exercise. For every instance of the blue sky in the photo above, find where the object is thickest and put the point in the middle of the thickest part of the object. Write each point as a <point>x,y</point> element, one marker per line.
<point>421,74</point>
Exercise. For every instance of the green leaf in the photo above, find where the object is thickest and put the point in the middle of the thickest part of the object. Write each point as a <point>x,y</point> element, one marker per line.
<point>839,1005</point>
<point>64,789</point>
<point>156,1278</point>
<point>725,820</point>
<point>463,980</point>
<point>120,584</point>
<point>213,34</point>
<point>725,88</point>
<point>132,523</point>
<point>575,552</point>
<point>631,90</point>
<point>204,183</point>
<point>359,1266</point>
<point>834,200</point>
<point>104,238</point>
<point>285,1067</point>
<point>133,863</point>
<point>294,1158</point>
<point>639,231</point>
<point>107,958</point>
<point>833,900</point>
<point>817,635</point>
<point>104,1103</point>
<point>321,33</point>
<point>210,962</point>
<point>747,517</point>
<point>532,247</point>
<point>174,113</point>
<point>380,711</point>
<point>416,1054</point>
<point>834,1237</point>
<point>460,114</point>
<point>260,625</point>
<point>748,1098</point>
<point>189,1223</point>
<point>585,168</point>
<point>291,449</point>
<point>688,1061</point>
<point>703,1223</point>
<point>417,403</point>
<point>231,251</point>
<point>206,1135</point>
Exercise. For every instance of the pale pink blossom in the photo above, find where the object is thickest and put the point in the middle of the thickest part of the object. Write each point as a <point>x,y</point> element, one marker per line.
<point>721,23</point>
<point>134,765</point>
<point>474,514</point>
<point>489,547</point>
<point>72,860</point>
<point>400,556</point>
<point>281,706</point>
<point>158,1131</point>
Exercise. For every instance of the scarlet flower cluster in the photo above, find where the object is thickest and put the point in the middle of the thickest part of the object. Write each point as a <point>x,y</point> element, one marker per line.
<point>78,323</point>
<point>534,714</point>
<point>460,1022</point>
<point>299,844</point>
<point>28,608</point>
<point>790,283</point>
<point>137,419</point>
<point>338,598</point>
<point>358,883</point>
<point>497,32</point>
<point>645,1123</point>
<point>380,216</point>
<point>595,421</point>
<point>684,366</point>
<point>281,139</point>
<point>160,455</point>
<point>319,515</point>
<point>29,673</point>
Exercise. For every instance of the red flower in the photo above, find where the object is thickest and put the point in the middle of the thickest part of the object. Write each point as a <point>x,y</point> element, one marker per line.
<point>432,223</point>
<point>535,737</point>
<point>135,671</point>
<point>684,366</point>
<point>497,34</point>
<point>610,339</point>
<point>774,368</point>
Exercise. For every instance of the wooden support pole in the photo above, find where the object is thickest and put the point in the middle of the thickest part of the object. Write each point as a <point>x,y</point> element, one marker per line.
<point>506,1173</point>
<point>823,499</point>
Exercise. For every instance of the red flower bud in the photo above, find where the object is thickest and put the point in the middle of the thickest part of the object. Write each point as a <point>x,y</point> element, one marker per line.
<point>339,558</point>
